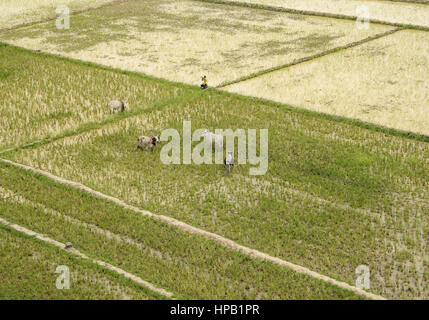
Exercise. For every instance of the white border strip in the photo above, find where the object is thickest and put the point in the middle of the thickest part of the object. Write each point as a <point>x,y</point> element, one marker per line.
<point>208,235</point>
<point>83,256</point>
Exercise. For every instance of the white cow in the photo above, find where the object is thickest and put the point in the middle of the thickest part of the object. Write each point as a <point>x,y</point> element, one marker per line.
<point>117,105</point>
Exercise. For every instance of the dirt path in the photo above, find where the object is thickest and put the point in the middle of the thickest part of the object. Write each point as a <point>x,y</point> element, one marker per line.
<point>83,256</point>
<point>208,235</point>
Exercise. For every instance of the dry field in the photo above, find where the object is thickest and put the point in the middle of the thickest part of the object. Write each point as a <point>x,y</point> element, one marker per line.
<point>392,11</point>
<point>17,12</point>
<point>181,40</point>
<point>335,195</point>
<point>384,81</point>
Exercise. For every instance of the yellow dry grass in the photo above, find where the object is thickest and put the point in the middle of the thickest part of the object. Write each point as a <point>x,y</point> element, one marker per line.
<point>384,82</point>
<point>389,11</point>
<point>182,40</point>
<point>16,12</point>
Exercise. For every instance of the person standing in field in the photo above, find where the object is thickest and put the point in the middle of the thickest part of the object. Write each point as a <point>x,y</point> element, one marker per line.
<point>204,84</point>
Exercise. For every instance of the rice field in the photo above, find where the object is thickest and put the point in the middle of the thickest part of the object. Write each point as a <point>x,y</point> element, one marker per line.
<point>347,182</point>
<point>394,12</point>
<point>182,40</point>
<point>333,198</point>
<point>165,256</point>
<point>18,12</point>
<point>27,271</point>
<point>36,105</point>
<point>383,81</point>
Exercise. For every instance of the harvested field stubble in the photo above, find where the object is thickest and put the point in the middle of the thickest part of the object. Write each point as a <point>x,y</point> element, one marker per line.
<point>181,40</point>
<point>17,12</point>
<point>394,12</point>
<point>384,81</point>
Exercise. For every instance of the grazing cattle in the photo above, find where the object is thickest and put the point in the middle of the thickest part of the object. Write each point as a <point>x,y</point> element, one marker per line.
<point>117,105</point>
<point>148,142</point>
<point>204,85</point>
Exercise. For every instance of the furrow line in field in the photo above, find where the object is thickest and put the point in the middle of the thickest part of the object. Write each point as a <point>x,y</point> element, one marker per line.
<point>309,58</point>
<point>206,234</point>
<point>28,24</point>
<point>26,145</point>
<point>83,256</point>
<point>313,13</point>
